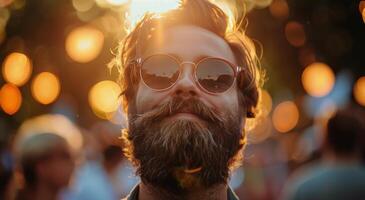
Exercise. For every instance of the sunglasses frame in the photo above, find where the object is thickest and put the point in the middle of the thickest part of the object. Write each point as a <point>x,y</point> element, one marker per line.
<point>236,70</point>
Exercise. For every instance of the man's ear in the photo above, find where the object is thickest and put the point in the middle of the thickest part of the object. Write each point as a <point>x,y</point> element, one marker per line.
<point>250,114</point>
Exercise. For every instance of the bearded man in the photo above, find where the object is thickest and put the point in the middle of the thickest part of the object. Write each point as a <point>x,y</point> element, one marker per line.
<point>189,79</point>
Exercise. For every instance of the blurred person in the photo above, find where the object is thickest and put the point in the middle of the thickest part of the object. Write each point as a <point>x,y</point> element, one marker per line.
<point>189,83</point>
<point>340,174</point>
<point>46,162</point>
<point>101,176</point>
<point>98,179</point>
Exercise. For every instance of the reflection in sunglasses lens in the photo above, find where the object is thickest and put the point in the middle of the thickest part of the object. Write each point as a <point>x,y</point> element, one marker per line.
<point>160,72</point>
<point>215,75</point>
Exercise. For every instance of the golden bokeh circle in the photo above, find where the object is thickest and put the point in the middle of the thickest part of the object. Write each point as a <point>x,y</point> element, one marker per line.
<point>318,79</point>
<point>45,88</point>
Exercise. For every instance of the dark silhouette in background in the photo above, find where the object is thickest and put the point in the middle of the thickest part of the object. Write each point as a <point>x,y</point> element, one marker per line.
<point>340,173</point>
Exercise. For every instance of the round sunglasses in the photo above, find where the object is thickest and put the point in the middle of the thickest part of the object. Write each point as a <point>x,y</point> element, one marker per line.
<point>213,75</point>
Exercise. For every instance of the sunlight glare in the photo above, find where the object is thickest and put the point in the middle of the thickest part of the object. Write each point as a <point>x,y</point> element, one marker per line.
<point>116,2</point>
<point>138,8</point>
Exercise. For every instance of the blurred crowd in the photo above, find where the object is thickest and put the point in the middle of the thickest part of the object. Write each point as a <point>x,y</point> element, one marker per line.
<point>41,162</point>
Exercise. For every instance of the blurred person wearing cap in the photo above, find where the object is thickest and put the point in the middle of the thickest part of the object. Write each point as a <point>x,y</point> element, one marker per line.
<point>189,82</point>
<point>340,173</point>
<point>101,176</point>
<point>46,163</point>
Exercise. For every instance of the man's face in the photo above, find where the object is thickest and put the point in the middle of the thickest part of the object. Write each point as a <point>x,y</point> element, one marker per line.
<point>184,137</point>
<point>188,43</point>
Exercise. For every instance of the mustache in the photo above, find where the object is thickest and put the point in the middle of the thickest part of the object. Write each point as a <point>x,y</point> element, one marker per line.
<point>179,105</point>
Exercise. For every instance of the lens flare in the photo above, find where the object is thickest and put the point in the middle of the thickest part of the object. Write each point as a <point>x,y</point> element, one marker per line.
<point>17,69</point>
<point>359,91</point>
<point>104,98</point>
<point>295,34</point>
<point>84,44</point>
<point>10,98</point>
<point>138,8</point>
<point>285,116</point>
<point>45,88</point>
<point>318,79</point>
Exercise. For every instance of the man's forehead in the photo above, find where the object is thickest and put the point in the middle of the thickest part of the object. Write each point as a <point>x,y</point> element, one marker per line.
<point>189,42</point>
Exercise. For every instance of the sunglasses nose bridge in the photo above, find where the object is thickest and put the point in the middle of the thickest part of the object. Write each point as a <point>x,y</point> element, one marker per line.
<point>185,70</point>
<point>186,84</point>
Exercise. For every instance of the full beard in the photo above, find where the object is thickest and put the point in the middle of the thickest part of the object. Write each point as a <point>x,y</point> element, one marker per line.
<point>164,150</point>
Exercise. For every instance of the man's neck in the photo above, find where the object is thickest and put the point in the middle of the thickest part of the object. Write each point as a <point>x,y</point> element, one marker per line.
<point>217,192</point>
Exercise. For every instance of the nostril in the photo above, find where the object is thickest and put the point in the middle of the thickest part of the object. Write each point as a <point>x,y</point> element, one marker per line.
<point>183,93</point>
<point>192,93</point>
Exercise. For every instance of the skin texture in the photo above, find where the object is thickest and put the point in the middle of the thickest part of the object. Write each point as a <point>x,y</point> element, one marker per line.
<point>189,43</point>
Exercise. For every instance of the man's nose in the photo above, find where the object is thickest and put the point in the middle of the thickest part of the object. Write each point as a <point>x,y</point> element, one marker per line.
<point>185,86</point>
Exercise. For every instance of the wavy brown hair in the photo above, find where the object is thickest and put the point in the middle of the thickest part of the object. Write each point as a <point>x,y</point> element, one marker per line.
<point>201,13</point>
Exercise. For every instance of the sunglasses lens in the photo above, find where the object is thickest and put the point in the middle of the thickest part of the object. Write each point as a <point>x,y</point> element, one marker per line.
<point>159,71</point>
<point>215,75</point>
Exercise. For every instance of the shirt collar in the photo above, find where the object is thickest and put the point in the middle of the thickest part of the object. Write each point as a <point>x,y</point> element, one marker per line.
<point>134,194</point>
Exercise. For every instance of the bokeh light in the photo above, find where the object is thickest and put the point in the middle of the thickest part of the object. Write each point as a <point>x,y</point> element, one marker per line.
<point>83,5</point>
<point>4,3</point>
<point>361,6</point>
<point>359,91</point>
<point>265,103</point>
<point>138,8</point>
<point>17,68</point>
<point>285,116</point>
<point>116,2</point>
<point>10,98</point>
<point>45,88</point>
<point>261,131</point>
<point>50,123</point>
<point>83,44</point>
<point>262,3</point>
<point>279,9</point>
<point>318,79</point>
<point>104,98</point>
<point>4,17</point>
<point>295,34</point>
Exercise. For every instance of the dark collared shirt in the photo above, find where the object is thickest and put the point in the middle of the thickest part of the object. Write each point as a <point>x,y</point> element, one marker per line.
<point>134,194</point>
